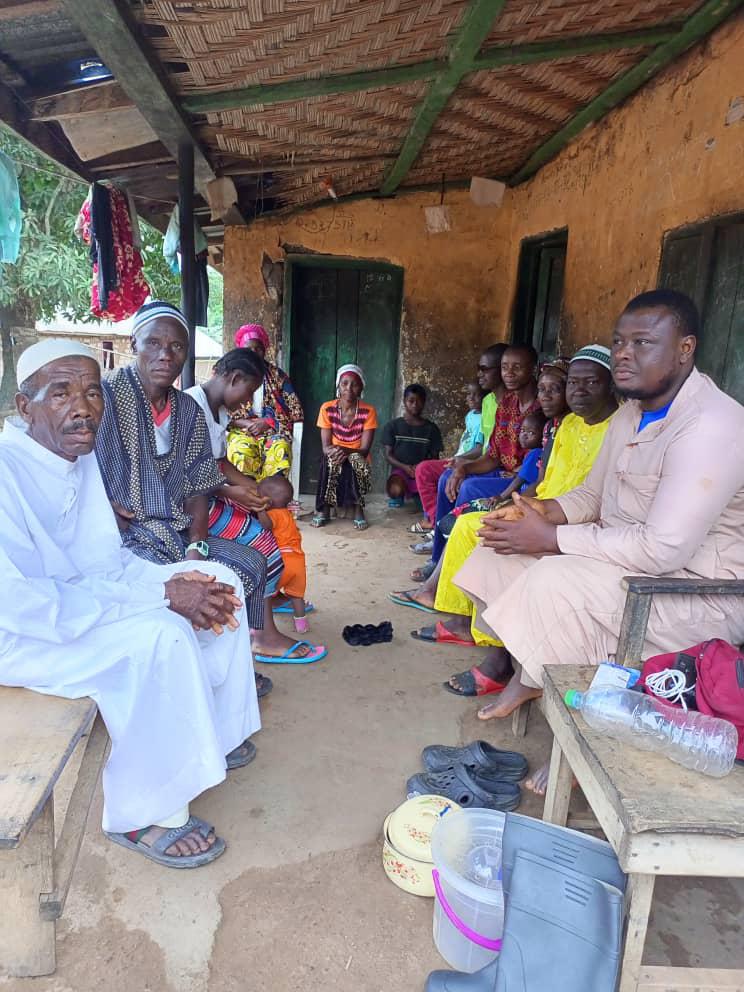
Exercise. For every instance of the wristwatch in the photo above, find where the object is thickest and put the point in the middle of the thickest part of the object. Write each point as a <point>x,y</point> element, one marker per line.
<point>201,546</point>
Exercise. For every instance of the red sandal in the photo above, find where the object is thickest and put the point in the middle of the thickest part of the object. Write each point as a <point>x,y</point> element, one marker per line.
<point>474,683</point>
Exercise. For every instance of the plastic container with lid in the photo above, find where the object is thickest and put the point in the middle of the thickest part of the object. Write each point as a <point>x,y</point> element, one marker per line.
<point>406,852</point>
<point>469,908</point>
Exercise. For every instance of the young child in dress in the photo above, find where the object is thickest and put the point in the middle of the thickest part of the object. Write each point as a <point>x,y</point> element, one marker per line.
<point>408,440</point>
<point>530,440</point>
<point>279,519</point>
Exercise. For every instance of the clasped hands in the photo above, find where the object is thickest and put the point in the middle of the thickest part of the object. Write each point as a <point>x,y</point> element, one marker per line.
<point>255,426</point>
<point>336,455</point>
<point>520,528</point>
<point>206,603</point>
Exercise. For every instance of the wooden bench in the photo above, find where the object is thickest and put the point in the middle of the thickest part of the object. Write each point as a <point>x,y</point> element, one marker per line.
<point>38,735</point>
<point>660,818</point>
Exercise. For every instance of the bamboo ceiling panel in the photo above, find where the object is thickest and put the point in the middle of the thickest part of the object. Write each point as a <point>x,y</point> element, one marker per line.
<point>234,43</point>
<point>497,119</point>
<point>304,189</point>
<point>370,123</point>
<point>524,21</point>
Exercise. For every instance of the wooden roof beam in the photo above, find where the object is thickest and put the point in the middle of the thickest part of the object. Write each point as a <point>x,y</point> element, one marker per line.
<point>701,23</point>
<point>303,89</point>
<point>44,137</point>
<point>268,94</point>
<point>111,30</point>
<point>563,48</point>
<point>467,42</point>
<point>31,8</point>
<point>81,102</point>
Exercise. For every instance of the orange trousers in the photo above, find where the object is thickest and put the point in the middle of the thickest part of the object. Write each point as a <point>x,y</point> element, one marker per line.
<point>294,578</point>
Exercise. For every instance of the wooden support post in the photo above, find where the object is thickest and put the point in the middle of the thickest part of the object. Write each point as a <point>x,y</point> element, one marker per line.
<point>520,717</point>
<point>558,793</point>
<point>640,894</point>
<point>633,629</point>
<point>51,904</point>
<point>27,940</point>
<point>188,255</point>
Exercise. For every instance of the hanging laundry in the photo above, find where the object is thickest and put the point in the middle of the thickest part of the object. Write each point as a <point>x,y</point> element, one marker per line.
<point>105,225</point>
<point>10,211</point>
<point>202,291</point>
<point>102,254</point>
<point>172,240</point>
<point>171,250</point>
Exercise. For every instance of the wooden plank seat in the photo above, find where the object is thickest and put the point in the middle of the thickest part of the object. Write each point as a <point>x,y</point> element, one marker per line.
<point>38,735</point>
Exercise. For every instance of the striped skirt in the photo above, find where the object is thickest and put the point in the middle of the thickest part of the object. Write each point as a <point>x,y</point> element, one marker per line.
<point>233,523</point>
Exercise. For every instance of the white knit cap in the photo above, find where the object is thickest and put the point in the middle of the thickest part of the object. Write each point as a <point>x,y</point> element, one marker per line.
<point>43,352</point>
<point>350,368</point>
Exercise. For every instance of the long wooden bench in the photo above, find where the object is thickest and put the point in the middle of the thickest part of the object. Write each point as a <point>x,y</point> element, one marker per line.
<point>38,735</point>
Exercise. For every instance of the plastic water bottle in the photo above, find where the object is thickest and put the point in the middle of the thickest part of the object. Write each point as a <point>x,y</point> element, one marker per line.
<point>695,740</point>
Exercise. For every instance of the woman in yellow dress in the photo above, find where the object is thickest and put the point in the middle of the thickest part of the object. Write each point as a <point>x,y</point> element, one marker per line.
<point>259,441</point>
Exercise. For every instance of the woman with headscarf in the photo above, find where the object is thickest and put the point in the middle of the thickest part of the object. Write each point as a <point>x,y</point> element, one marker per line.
<point>259,442</point>
<point>347,430</point>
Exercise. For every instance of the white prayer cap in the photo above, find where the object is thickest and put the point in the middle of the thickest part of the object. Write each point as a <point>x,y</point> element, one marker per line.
<point>43,352</point>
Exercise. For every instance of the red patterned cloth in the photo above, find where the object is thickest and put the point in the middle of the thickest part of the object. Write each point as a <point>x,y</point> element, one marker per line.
<point>504,443</point>
<point>132,289</point>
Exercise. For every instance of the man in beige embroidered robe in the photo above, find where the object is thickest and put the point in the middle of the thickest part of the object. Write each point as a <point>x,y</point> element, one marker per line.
<point>665,497</point>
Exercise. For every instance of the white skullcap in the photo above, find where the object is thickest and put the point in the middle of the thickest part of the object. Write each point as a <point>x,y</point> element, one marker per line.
<point>43,352</point>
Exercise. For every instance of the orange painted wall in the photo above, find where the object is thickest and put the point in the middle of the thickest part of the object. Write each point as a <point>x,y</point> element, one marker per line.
<point>665,158</point>
<point>450,308</point>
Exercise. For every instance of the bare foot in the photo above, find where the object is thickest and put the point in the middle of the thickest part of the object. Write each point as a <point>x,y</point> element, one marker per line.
<point>192,843</point>
<point>269,640</point>
<point>538,780</point>
<point>510,699</point>
<point>418,595</point>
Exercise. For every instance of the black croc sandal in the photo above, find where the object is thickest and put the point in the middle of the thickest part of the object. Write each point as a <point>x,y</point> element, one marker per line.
<point>470,789</point>
<point>510,766</point>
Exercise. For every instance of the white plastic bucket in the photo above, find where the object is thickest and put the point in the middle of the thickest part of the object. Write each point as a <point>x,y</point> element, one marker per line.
<point>469,904</point>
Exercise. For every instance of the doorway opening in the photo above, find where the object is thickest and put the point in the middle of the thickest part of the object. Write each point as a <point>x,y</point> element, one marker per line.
<point>540,279</point>
<point>339,311</point>
<point>706,261</point>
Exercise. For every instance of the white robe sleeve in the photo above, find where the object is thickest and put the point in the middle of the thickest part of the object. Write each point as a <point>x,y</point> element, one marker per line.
<point>60,611</point>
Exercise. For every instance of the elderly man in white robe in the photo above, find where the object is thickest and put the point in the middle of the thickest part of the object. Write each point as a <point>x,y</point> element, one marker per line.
<point>164,650</point>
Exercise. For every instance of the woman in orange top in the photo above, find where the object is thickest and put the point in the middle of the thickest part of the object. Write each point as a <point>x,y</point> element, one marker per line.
<point>347,429</point>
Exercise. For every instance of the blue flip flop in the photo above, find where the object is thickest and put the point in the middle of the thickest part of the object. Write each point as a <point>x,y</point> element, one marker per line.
<point>316,654</point>
<point>287,608</point>
<point>407,600</point>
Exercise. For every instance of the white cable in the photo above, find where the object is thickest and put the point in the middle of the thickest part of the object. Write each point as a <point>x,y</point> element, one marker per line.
<point>670,684</point>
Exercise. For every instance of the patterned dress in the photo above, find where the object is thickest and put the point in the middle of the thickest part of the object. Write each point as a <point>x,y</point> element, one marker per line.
<point>155,487</point>
<point>346,484</point>
<point>262,457</point>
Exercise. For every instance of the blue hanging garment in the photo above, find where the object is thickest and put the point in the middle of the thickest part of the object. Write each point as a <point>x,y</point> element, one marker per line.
<point>10,211</point>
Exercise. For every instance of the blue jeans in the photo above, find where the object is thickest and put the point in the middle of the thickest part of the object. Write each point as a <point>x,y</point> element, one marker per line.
<point>474,487</point>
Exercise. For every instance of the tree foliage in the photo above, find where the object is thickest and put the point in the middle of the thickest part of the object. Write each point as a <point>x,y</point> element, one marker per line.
<point>53,272</point>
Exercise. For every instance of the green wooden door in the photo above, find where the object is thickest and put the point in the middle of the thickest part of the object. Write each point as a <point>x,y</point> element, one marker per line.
<point>723,333</point>
<point>537,309</point>
<point>707,263</point>
<point>340,314</point>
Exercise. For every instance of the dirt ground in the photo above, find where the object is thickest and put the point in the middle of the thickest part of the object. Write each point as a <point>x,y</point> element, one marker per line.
<point>300,901</point>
